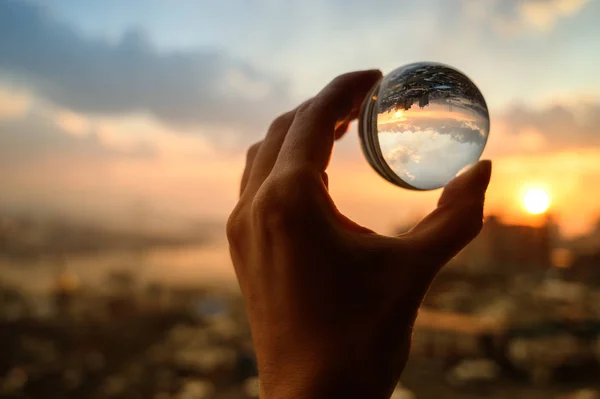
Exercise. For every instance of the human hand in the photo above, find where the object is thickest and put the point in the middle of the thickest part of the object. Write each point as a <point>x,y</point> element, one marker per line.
<point>330,303</point>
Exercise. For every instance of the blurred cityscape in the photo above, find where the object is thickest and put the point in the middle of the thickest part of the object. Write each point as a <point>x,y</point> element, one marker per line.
<point>516,314</point>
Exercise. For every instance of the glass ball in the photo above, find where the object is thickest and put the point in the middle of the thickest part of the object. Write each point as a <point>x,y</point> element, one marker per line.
<point>422,124</point>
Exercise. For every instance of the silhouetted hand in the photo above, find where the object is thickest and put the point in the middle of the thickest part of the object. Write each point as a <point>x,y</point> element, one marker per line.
<point>331,304</point>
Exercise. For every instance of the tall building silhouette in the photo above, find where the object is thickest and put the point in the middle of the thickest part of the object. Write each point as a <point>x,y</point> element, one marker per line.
<point>505,248</point>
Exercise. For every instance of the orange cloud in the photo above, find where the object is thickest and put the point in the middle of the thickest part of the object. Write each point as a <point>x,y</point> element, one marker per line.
<point>72,123</point>
<point>543,15</point>
<point>129,132</point>
<point>510,19</point>
<point>13,104</point>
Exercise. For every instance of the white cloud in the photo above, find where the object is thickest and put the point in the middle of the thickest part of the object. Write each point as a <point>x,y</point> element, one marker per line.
<point>512,18</point>
<point>543,14</point>
<point>426,159</point>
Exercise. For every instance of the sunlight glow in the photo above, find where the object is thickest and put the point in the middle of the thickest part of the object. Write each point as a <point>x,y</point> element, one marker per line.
<point>536,201</point>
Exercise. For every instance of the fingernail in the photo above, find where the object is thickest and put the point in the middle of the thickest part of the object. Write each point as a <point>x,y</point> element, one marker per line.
<point>470,184</point>
<point>481,170</point>
<point>374,71</point>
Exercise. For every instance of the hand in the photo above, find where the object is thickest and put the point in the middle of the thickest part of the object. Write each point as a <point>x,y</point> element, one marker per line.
<point>330,303</point>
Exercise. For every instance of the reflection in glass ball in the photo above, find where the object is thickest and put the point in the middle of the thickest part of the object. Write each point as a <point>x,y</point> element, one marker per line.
<point>422,124</point>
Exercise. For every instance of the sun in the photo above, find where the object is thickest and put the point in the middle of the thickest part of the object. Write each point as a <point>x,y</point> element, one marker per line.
<point>536,201</point>
<point>399,114</point>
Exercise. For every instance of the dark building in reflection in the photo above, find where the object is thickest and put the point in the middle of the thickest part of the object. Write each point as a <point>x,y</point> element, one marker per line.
<point>424,100</point>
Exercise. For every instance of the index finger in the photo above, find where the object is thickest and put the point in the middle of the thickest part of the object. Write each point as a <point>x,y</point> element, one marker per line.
<point>310,139</point>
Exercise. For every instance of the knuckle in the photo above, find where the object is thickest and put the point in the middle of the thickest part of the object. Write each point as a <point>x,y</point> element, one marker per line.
<point>236,226</point>
<point>282,122</point>
<point>252,150</point>
<point>303,108</point>
<point>280,200</point>
<point>298,183</point>
<point>268,208</point>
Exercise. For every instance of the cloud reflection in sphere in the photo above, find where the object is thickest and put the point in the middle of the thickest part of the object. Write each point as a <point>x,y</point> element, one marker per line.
<point>423,124</point>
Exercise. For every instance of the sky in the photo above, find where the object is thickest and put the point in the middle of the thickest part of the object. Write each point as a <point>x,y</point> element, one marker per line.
<point>104,104</point>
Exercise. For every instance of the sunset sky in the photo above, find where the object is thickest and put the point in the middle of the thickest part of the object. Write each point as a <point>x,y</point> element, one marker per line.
<point>104,104</point>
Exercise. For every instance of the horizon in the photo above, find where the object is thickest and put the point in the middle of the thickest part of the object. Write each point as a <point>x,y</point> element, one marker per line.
<point>125,108</point>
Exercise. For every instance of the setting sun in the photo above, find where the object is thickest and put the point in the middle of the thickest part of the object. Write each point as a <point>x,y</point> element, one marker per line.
<point>398,114</point>
<point>536,201</point>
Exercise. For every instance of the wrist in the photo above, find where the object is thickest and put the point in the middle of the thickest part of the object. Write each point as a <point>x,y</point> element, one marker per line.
<point>334,381</point>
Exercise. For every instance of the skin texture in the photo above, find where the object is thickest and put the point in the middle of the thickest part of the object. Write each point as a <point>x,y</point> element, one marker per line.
<point>331,304</point>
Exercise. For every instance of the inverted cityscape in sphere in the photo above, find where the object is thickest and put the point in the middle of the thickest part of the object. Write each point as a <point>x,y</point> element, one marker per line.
<point>431,123</point>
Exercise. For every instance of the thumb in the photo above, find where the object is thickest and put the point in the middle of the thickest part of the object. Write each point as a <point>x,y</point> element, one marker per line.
<point>459,215</point>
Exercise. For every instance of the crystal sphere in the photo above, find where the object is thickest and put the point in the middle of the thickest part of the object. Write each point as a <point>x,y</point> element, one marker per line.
<point>422,124</point>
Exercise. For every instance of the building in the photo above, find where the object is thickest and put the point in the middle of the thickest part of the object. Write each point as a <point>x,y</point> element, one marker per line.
<point>424,100</point>
<point>504,248</point>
